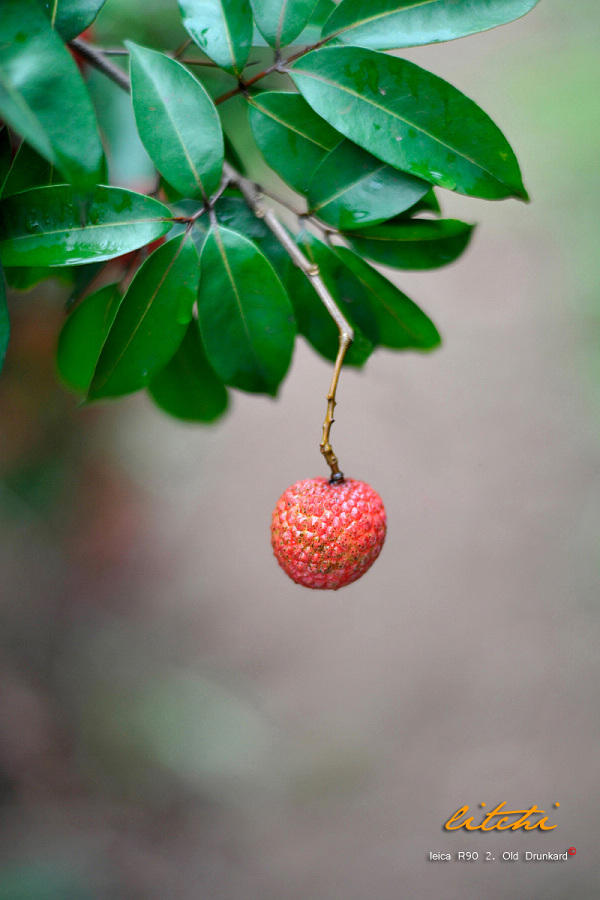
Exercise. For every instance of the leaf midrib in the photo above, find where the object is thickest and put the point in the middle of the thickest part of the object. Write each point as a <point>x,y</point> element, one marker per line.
<point>382,15</point>
<point>195,173</point>
<point>412,240</point>
<point>79,228</point>
<point>285,124</point>
<point>223,255</point>
<point>389,309</point>
<point>348,187</point>
<point>151,300</point>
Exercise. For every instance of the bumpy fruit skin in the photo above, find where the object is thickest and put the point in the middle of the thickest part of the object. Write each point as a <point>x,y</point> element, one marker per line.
<point>324,535</point>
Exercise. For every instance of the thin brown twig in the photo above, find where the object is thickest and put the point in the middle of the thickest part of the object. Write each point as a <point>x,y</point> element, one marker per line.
<point>252,195</point>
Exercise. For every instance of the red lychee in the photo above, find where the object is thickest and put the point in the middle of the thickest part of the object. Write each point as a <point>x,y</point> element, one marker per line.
<point>325,535</point>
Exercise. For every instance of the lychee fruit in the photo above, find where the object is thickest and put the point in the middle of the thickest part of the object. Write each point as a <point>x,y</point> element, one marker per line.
<point>325,535</point>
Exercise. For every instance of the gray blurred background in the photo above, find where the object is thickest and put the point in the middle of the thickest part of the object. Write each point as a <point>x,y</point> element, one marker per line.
<point>177,719</point>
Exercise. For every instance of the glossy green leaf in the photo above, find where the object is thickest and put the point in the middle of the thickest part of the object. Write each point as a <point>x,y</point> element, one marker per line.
<point>281,21</point>
<point>414,243</point>
<point>400,323</point>
<point>428,203</point>
<point>23,278</point>
<point>314,322</point>
<point>4,320</point>
<point>409,118</point>
<point>42,94</point>
<point>54,226</point>
<point>5,156</point>
<point>177,122</point>
<point>188,387</point>
<point>29,170</point>
<point>246,319</point>
<point>352,188</point>
<point>233,213</point>
<point>291,137</point>
<point>151,320</point>
<point>389,24</point>
<point>71,17</point>
<point>311,33</point>
<point>82,337</point>
<point>222,29</point>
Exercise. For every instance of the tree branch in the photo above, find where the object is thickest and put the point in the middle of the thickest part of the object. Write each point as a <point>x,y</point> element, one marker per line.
<point>97,59</point>
<point>278,66</point>
<point>252,195</point>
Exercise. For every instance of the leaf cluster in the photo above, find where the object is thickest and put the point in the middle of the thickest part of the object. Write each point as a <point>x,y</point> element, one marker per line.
<point>204,297</point>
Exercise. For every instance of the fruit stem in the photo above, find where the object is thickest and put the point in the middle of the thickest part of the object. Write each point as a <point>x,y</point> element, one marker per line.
<point>252,195</point>
<point>326,448</point>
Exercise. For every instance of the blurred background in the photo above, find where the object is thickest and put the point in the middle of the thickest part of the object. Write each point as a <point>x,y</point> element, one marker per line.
<point>177,719</point>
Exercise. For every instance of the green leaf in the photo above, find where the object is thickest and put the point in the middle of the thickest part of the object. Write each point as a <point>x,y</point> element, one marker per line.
<point>291,137</point>
<point>29,170</point>
<point>71,17</point>
<point>390,24</point>
<point>281,21</point>
<point>222,29</point>
<point>4,320</point>
<point>352,188</point>
<point>413,243</point>
<point>233,213</point>
<point>82,337</point>
<point>314,322</point>
<point>428,203</point>
<point>246,319</point>
<point>177,122</point>
<point>151,320</point>
<point>55,226</point>
<point>23,278</point>
<point>5,156</point>
<point>409,118</point>
<point>42,94</point>
<point>314,27</point>
<point>400,323</point>
<point>188,387</point>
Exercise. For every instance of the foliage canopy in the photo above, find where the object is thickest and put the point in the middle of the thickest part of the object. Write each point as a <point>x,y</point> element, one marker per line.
<point>208,298</point>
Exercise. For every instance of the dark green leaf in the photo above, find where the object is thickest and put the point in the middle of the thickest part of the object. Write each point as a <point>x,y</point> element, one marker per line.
<point>312,32</point>
<point>233,213</point>
<point>82,337</point>
<point>222,29</point>
<point>232,156</point>
<point>4,320</point>
<point>389,24</point>
<point>400,322</point>
<point>409,118</point>
<point>150,322</point>
<point>54,226</point>
<point>428,203</point>
<point>5,156</point>
<point>177,122</point>
<point>292,138</point>
<point>413,243</point>
<point>352,188</point>
<point>23,278</point>
<point>246,319</point>
<point>281,21</point>
<point>42,94</point>
<point>71,17</point>
<point>29,170</point>
<point>188,387</point>
<point>314,322</point>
